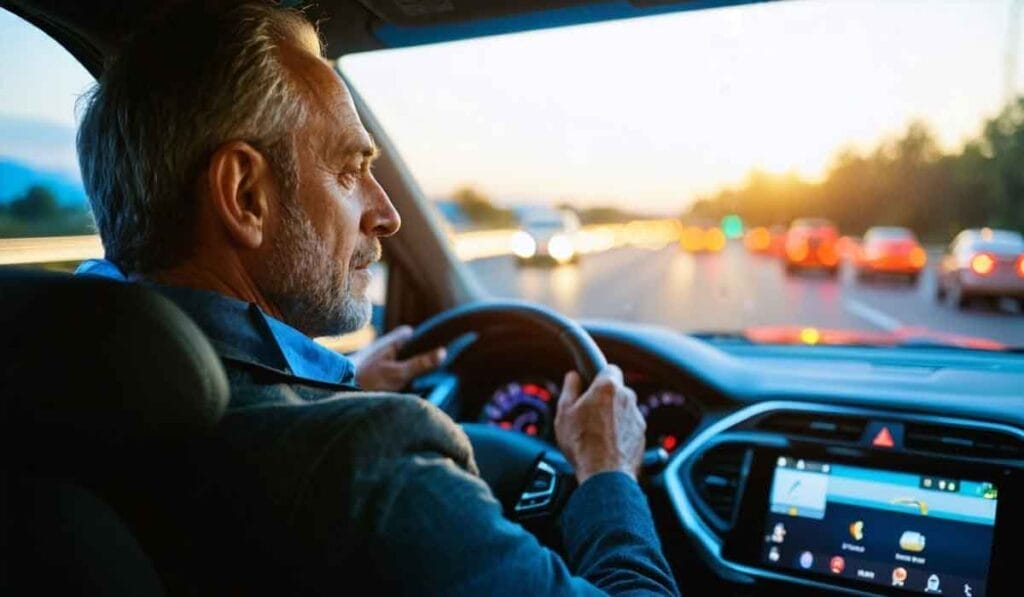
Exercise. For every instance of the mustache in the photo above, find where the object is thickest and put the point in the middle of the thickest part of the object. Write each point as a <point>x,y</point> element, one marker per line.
<point>367,254</point>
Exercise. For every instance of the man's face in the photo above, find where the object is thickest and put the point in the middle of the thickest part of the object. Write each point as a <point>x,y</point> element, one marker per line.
<point>326,235</point>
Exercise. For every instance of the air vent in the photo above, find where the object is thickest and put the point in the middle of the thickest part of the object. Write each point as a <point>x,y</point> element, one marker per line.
<point>815,425</point>
<point>963,441</point>
<point>716,477</point>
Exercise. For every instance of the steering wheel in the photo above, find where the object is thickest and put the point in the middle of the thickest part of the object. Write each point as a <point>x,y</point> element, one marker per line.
<point>527,475</point>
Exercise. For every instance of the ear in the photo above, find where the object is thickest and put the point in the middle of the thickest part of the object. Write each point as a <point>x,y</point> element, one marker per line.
<point>240,186</point>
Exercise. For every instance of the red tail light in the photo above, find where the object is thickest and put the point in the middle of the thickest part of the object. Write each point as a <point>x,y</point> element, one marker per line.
<point>918,258</point>
<point>983,264</point>
<point>1020,266</point>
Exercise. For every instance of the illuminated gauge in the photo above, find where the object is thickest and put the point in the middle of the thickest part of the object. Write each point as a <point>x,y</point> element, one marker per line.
<point>524,407</point>
<point>669,420</point>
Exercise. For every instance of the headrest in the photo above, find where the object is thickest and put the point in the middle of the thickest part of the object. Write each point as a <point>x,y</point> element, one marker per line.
<point>104,362</point>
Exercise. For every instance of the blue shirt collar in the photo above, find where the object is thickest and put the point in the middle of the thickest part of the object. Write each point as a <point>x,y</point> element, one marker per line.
<point>243,332</point>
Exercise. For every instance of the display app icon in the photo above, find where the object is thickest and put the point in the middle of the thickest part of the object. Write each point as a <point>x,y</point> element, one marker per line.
<point>778,533</point>
<point>857,530</point>
<point>773,554</point>
<point>837,564</point>
<point>806,560</point>
<point>933,584</point>
<point>912,541</point>
<point>899,576</point>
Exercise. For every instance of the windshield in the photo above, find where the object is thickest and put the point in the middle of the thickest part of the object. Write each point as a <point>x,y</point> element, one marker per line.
<point>823,118</point>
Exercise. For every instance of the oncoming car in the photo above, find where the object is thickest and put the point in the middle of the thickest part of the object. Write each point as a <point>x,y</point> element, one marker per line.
<point>547,234</point>
<point>982,264</point>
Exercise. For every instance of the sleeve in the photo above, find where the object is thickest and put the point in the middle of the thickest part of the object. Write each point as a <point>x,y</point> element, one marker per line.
<point>610,539</point>
<point>438,530</point>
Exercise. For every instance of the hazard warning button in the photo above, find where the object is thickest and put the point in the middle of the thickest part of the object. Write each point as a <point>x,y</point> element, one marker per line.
<point>883,434</point>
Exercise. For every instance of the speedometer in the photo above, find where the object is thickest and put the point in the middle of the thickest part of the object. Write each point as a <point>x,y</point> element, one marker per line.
<point>669,419</point>
<point>526,407</point>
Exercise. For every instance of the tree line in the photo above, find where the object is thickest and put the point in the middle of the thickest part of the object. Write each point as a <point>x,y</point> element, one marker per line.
<point>484,212</point>
<point>904,181</point>
<point>38,213</point>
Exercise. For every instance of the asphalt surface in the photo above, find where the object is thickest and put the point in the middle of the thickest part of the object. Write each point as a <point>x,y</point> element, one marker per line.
<point>734,290</point>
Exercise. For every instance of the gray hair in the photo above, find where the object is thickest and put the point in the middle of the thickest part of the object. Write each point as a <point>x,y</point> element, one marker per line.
<point>176,92</point>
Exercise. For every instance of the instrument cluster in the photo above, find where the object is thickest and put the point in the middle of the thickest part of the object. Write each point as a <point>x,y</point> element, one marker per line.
<point>527,405</point>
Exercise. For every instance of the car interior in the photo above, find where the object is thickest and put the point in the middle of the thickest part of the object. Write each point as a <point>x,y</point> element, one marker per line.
<point>110,395</point>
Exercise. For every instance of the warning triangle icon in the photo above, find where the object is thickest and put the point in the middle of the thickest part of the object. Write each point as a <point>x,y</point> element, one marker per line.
<point>883,439</point>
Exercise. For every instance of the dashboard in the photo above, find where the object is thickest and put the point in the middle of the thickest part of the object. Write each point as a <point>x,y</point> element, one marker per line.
<point>800,470</point>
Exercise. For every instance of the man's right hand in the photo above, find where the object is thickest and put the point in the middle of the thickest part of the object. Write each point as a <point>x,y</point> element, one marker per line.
<point>602,429</point>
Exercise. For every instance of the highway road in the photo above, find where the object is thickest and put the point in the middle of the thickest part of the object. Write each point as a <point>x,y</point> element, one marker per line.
<point>734,290</point>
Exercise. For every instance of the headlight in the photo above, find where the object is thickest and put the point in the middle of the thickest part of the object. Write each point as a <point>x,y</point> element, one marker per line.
<point>523,245</point>
<point>560,248</point>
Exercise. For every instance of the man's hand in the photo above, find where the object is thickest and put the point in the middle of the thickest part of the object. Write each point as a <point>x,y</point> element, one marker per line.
<point>602,430</point>
<point>378,367</point>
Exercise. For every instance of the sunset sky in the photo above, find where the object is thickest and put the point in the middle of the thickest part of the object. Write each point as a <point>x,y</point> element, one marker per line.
<point>645,113</point>
<point>648,112</point>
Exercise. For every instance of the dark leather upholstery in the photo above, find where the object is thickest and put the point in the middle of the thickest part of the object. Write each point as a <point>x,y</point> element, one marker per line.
<point>103,361</point>
<point>106,390</point>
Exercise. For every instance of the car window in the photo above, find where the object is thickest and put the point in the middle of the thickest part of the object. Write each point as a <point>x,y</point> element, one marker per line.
<point>41,191</point>
<point>889,234</point>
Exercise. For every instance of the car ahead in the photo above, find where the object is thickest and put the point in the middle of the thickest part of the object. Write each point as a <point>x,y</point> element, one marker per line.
<point>762,240</point>
<point>547,234</point>
<point>701,237</point>
<point>890,250</point>
<point>982,264</point>
<point>811,244</point>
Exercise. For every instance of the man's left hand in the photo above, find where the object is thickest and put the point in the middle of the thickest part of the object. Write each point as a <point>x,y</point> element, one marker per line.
<point>378,367</point>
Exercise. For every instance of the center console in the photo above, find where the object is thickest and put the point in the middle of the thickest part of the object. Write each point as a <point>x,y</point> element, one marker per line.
<point>854,501</point>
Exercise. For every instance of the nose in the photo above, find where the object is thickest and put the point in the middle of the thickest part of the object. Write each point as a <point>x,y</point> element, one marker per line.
<point>380,218</point>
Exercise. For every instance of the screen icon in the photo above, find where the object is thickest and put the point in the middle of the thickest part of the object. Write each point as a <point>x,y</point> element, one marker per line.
<point>920,505</point>
<point>899,576</point>
<point>773,554</point>
<point>968,590</point>
<point>806,560</point>
<point>912,541</point>
<point>857,530</point>
<point>933,584</point>
<point>778,533</point>
<point>837,564</point>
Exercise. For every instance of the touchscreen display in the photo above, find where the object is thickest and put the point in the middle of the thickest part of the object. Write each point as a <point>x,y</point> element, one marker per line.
<point>922,533</point>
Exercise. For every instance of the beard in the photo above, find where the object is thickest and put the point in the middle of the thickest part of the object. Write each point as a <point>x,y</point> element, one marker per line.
<point>312,290</point>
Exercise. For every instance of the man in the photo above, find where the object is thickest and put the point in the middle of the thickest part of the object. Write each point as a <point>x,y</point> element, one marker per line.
<point>227,168</point>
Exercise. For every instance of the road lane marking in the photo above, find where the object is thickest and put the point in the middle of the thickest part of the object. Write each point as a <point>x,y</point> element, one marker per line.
<point>872,315</point>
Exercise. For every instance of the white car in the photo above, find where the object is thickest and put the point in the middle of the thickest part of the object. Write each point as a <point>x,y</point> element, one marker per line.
<point>982,263</point>
<point>547,234</point>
